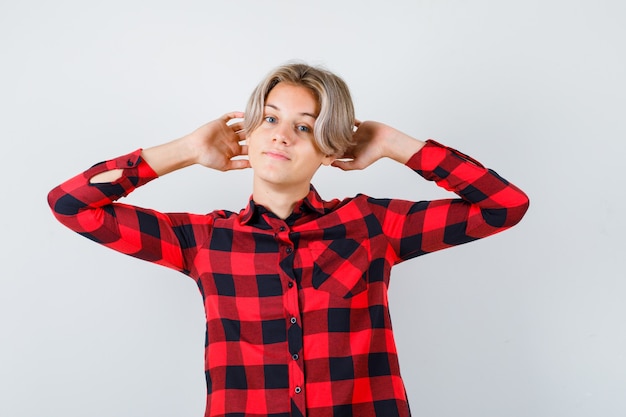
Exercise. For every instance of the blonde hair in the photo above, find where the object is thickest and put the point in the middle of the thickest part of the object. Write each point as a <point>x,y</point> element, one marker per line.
<point>333,127</point>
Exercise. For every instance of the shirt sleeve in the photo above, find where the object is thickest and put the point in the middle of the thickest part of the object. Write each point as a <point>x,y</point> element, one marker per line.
<point>92,211</point>
<point>486,204</point>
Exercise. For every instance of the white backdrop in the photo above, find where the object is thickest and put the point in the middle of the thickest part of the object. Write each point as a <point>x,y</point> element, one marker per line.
<point>529,323</point>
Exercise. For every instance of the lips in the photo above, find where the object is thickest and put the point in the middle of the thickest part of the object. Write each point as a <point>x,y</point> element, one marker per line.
<point>276,154</point>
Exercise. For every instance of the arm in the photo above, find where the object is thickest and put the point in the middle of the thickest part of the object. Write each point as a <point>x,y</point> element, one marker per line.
<point>212,145</point>
<point>486,203</point>
<point>374,141</point>
<point>87,203</point>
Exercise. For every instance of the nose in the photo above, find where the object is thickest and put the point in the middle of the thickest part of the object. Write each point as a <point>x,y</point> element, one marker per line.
<point>282,134</point>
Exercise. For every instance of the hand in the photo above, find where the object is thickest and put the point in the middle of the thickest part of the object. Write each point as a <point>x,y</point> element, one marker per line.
<point>212,145</point>
<point>373,141</point>
<point>217,142</point>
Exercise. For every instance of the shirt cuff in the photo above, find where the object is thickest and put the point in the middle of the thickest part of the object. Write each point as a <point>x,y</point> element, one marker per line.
<point>430,156</point>
<point>132,161</point>
<point>135,173</point>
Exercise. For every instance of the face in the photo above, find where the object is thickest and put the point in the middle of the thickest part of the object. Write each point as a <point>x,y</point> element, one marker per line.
<point>282,150</point>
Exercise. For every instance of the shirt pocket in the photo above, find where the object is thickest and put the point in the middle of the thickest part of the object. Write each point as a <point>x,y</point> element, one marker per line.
<point>339,267</point>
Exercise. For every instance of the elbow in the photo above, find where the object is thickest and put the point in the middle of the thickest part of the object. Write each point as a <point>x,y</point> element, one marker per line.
<point>52,199</point>
<point>63,204</point>
<point>516,212</point>
<point>521,207</point>
<point>508,215</point>
<point>525,205</point>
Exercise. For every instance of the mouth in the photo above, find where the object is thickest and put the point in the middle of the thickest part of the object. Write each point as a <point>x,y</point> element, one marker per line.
<point>278,155</point>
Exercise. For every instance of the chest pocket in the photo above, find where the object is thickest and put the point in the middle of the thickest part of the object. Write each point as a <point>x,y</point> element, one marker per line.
<point>339,267</point>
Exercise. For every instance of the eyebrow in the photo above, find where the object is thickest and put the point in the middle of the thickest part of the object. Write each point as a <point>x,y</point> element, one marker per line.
<point>313,116</point>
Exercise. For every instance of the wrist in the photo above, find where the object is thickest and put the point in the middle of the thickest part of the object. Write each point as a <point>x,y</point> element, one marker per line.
<point>401,147</point>
<point>189,149</point>
<point>170,156</point>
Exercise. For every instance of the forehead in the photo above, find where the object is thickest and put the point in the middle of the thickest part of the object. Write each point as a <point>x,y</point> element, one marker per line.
<point>286,96</point>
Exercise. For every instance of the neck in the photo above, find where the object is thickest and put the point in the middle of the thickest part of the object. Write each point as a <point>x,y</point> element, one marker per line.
<point>280,199</point>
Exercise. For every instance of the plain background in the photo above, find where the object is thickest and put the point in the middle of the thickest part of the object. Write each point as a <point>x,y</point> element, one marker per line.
<point>530,322</point>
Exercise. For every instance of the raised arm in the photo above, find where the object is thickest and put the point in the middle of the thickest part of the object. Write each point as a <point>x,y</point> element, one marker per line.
<point>373,141</point>
<point>87,203</point>
<point>212,145</point>
<point>486,203</point>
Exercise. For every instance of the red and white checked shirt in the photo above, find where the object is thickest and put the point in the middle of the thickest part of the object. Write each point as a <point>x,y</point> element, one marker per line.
<point>296,310</point>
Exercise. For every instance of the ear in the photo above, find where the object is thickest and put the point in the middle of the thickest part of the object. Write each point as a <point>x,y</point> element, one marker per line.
<point>328,159</point>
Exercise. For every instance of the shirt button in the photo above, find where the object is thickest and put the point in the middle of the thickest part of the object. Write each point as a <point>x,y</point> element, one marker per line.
<point>129,163</point>
<point>282,228</point>
<point>298,390</point>
<point>290,285</point>
<point>293,320</point>
<point>295,356</point>
<point>289,250</point>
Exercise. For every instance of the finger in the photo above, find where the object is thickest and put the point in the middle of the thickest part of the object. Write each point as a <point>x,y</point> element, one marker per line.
<point>232,115</point>
<point>344,165</point>
<point>244,150</point>
<point>346,157</point>
<point>237,164</point>
<point>237,127</point>
<point>232,148</point>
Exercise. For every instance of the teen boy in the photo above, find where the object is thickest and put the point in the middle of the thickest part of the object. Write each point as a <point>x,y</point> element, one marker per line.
<point>294,287</point>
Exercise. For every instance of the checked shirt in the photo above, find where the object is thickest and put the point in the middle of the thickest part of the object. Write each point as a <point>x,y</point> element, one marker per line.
<point>297,318</point>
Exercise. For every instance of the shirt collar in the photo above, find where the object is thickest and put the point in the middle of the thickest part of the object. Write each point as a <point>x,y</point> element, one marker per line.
<point>311,202</point>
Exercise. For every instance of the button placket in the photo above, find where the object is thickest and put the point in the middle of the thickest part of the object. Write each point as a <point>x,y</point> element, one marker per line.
<point>282,234</point>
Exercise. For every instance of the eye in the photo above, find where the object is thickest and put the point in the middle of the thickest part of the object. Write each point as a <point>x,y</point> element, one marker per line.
<point>270,119</point>
<point>304,129</point>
